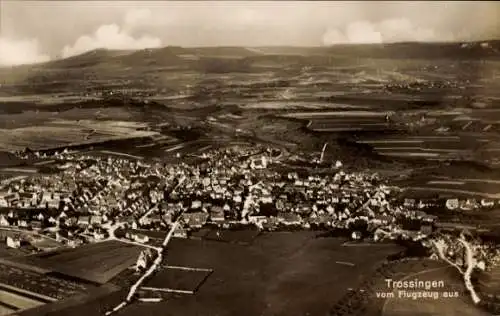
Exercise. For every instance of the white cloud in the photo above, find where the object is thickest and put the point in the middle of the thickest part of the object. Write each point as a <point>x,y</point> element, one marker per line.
<point>386,31</point>
<point>111,37</point>
<point>363,32</point>
<point>334,36</point>
<point>18,52</point>
<point>396,30</point>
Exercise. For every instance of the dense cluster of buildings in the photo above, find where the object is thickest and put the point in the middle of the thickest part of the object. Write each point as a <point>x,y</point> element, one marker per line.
<point>94,197</point>
<point>238,185</point>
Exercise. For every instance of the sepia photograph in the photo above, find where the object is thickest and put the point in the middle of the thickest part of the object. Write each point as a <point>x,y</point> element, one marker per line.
<point>249,158</point>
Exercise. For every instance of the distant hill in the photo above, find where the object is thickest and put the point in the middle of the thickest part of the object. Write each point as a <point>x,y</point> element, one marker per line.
<point>115,67</point>
<point>161,57</point>
<point>453,50</point>
<point>88,59</point>
<point>472,50</point>
<point>174,55</point>
<point>227,52</point>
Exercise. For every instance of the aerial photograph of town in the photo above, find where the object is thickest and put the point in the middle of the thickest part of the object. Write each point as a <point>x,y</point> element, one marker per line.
<point>249,158</point>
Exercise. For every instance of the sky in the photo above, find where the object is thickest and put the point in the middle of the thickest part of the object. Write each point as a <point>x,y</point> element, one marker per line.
<point>37,31</point>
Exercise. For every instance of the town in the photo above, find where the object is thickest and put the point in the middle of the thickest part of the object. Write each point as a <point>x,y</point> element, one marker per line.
<point>91,198</point>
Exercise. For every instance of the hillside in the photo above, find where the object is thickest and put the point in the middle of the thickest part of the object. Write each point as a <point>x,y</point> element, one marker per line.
<point>174,55</point>
<point>151,68</point>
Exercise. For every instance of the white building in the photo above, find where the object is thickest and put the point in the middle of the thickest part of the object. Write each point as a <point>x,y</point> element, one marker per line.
<point>356,235</point>
<point>142,261</point>
<point>3,221</point>
<point>13,242</point>
<point>452,204</point>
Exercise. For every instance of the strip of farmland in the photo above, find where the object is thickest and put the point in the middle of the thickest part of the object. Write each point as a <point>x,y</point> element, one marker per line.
<point>97,262</point>
<point>456,191</point>
<point>21,302</point>
<point>328,114</point>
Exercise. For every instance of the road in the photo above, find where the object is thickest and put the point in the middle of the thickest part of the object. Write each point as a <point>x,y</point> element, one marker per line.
<point>153,267</point>
<point>322,153</point>
<point>151,210</point>
<point>471,264</point>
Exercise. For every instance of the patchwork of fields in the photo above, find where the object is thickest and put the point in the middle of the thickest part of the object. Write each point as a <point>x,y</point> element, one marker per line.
<point>97,263</point>
<point>60,133</point>
<point>278,274</point>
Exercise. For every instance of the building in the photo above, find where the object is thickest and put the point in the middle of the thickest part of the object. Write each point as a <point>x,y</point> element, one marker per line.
<point>167,218</point>
<point>70,221</point>
<point>195,220</point>
<point>36,225</point>
<point>143,260</point>
<point>487,203</point>
<point>217,214</point>
<point>289,218</point>
<point>96,220</point>
<point>426,229</point>
<point>83,221</point>
<point>28,198</point>
<point>73,243</point>
<point>13,242</point>
<point>410,203</point>
<point>140,238</point>
<point>196,204</point>
<point>98,235</point>
<point>356,235</point>
<point>452,204</point>
<point>3,221</point>
<point>180,232</point>
<point>3,201</point>
<point>257,220</point>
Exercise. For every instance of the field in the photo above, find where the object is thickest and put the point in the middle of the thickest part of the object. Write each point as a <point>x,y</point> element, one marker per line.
<point>278,274</point>
<point>44,288</point>
<point>106,290</point>
<point>19,301</point>
<point>4,310</point>
<point>426,114</point>
<point>187,279</point>
<point>59,133</point>
<point>245,236</point>
<point>96,263</point>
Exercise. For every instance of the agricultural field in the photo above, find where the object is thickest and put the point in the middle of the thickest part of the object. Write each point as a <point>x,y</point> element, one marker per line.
<point>20,302</point>
<point>63,132</point>
<point>278,274</point>
<point>245,236</point>
<point>96,263</point>
<point>45,288</point>
<point>188,279</point>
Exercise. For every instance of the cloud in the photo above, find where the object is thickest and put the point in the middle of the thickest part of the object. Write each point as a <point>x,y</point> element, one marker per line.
<point>114,36</point>
<point>111,37</point>
<point>386,31</point>
<point>397,30</point>
<point>18,52</point>
<point>363,32</point>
